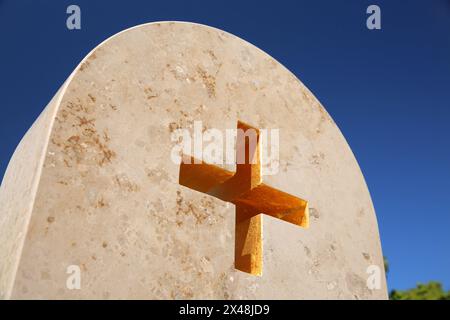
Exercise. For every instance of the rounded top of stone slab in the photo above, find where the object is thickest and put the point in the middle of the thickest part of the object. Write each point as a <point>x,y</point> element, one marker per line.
<point>108,176</point>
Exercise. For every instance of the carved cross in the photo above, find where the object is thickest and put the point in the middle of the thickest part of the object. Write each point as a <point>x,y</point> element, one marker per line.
<point>247,192</point>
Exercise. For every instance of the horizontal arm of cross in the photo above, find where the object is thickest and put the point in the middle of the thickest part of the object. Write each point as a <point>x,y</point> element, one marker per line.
<point>206,178</point>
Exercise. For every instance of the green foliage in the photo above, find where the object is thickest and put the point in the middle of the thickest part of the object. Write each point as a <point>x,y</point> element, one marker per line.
<point>429,291</point>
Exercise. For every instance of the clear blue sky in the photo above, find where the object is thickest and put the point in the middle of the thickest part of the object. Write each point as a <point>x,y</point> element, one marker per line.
<point>388,91</point>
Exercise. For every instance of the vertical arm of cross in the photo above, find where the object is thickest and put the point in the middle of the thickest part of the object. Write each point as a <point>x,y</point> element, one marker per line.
<point>248,237</point>
<point>248,256</point>
<point>248,156</point>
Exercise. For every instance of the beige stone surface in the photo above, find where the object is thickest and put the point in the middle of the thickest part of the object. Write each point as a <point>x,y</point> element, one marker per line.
<point>92,183</point>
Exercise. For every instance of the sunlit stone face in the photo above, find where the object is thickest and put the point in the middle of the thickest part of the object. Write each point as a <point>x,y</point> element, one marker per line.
<point>93,186</point>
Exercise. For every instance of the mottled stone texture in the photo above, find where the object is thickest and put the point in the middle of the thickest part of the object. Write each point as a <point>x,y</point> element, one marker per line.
<point>92,183</point>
